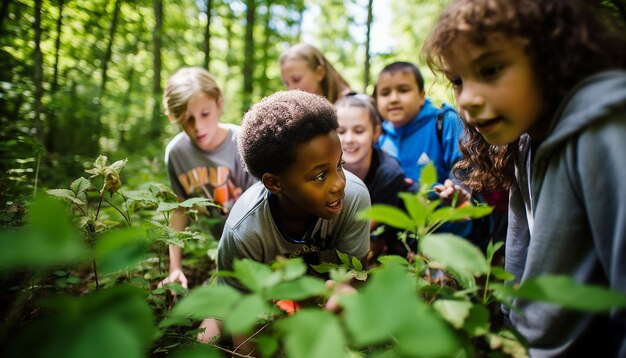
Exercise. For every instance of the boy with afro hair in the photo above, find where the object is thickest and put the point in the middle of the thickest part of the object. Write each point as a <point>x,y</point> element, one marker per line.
<point>305,204</point>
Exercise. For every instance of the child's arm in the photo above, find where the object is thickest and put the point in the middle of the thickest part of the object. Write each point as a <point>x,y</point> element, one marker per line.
<point>178,222</point>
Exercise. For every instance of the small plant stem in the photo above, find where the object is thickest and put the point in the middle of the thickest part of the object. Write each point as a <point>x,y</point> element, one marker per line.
<point>36,175</point>
<point>81,209</point>
<point>99,206</point>
<point>119,211</point>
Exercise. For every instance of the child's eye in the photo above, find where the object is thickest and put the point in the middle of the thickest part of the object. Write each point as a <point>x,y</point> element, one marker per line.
<point>321,176</point>
<point>341,130</point>
<point>490,71</point>
<point>456,82</point>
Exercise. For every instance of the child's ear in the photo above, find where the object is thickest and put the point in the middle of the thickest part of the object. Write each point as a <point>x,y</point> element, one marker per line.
<point>220,103</point>
<point>378,130</point>
<point>320,73</point>
<point>272,183</point>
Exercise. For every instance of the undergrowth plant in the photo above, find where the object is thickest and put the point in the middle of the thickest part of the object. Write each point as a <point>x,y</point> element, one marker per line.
<point>87,285</point>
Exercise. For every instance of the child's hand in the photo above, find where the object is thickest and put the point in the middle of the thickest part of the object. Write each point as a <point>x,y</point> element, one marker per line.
<point>338,289</point>
<point>176,275</point>
<point>447,192</point>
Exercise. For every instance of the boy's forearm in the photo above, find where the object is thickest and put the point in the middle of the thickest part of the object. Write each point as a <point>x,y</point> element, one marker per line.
<point>178,222</point>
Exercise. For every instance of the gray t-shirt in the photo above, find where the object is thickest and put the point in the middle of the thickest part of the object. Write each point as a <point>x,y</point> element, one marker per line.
<point>251,231</point>
<point>217,175</point>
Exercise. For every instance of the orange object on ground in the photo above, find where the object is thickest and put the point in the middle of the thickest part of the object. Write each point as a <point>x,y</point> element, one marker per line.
<point>288,306</point>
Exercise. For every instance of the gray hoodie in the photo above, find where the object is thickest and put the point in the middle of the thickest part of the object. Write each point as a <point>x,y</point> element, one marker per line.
<point>576,202</point>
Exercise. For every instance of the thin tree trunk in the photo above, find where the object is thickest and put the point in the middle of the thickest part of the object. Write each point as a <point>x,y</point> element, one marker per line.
<point>4,11</point>
<point>55,76</point>
<point>109,51</point>
<point>266,46</point>
<point>38,73</point>
<point>301,9</point>
<point>207,35</point>
<point>156,58</point>
<point>366,74</point>
<point>248,65</point>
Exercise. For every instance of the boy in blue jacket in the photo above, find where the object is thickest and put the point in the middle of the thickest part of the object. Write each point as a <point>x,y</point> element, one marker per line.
<point>410,131</point>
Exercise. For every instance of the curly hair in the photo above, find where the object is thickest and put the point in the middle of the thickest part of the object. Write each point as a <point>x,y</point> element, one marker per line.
<point>333,84</point>
<point>566,41</point>
<point>183,86</point>
<point>272,129</point>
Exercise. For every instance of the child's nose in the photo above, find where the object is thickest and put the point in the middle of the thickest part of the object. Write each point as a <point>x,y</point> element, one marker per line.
<point>470,98</point>
<point>340,181</point>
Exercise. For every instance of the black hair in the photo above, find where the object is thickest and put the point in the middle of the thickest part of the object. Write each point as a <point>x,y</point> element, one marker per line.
<point>401,66</point>
<point>272,129</point>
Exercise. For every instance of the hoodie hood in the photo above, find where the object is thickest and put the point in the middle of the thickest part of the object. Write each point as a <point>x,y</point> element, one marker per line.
<point>589,102</point>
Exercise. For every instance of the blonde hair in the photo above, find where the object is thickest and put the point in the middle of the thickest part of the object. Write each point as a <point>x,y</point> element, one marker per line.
<point>184,85</point>
<point>333,84</point>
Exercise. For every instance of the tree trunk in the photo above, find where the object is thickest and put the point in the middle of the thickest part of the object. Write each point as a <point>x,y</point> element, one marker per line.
<point>55,76</point>
<point>248,65</point>
<point>38,73</point>
<point>366,74</point>
<point>266,46</point>
<point>207,36</point>
<point>156,57</point>
<point>109,51</point>
<point>4,11</point>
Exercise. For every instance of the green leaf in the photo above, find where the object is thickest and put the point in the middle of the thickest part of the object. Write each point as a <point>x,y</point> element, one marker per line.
<point>455,253</point>
<point>477,323</point>
<point>453,311</point>
<point>565,292</point>
<point>388,215</point>
<point>427,335</point>
<point>268,345</point>
<point>119,165</point>
<point>245,314</point>
<point>492,248</point>
<point>415,207</point>
<point>209,301</point>
<point>197,351</point>
<point>500,274</point>
<point>428,175</point>
<point>356,263</point>
<point>254,275</point>
<point>325,267</point>
<point>290,268</point>
<point>391,285</point>
<point>65,194</point>
<point>312,333</point>
<point>393,259</point>
<point>298,289</point>
<point>48,240</point>
<point>120,249</point>
<point>198,201</point>
<point>80,185</point>
<point>345,260</point>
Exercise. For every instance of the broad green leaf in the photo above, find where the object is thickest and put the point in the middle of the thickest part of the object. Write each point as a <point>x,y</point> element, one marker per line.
<point>65,194</point>
<point>255,276</point>
<point>298,289</point>
<point>392,260</point>
<point>210,301</point>
<point>501,274</point>
<point>290,268</point>
<point>119,165</point>
<point>415,207</point>
<point>80,185</point>
<point>455,253</point>
<point>167,206</point>
<point>447,213</point>
<point>356,263</point>
<point>391,285</point>
<point>267,345</point>
<point>477,323</point>
<point>428,175</point>
<point>198,201</point>
<point>388,215</point>
<point>508,343</point>
<point>49,239</point>
<point>312,333</point>
<point>198,350</point>
<point>426,335</point>
<point>454,311</point>
<point>325,267</point>
<point>565,292</point>
<point>120,249</point>
<point>245,314</point>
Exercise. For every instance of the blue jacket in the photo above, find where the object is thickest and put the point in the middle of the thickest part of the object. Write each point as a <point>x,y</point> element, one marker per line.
<point>416,143</point>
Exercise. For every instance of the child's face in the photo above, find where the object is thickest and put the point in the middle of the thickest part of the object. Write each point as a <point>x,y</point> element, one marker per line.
<point>314,185</point>
<point>296,74</point>
<point>398,97</point>
<point>201,120</point>
<point>495,88</point>
<point>357,135</point>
